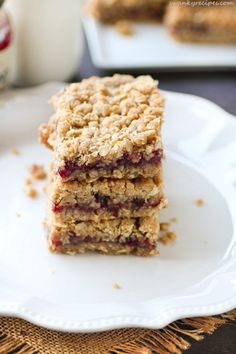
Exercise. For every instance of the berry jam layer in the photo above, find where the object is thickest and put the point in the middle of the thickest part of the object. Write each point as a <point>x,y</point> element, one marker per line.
<point>137,207</point>
<point>128,166</point>
<point>131,234</point>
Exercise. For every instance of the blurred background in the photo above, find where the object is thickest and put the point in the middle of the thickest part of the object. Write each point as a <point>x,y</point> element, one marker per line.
<point>189,46</point>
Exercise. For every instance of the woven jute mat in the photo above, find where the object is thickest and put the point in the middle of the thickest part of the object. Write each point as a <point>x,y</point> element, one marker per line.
<point>21,337</point>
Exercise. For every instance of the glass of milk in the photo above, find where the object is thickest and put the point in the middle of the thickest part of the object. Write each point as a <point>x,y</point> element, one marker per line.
<point>47,39</point>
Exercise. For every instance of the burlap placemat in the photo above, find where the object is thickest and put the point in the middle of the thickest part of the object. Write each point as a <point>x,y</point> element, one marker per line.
<point>21,337</point>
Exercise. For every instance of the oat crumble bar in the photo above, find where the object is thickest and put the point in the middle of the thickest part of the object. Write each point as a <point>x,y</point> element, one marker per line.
<point>105,199</point>
<point>110,11</point>
<point>106,128</point>
<point>213,24</point>
<point>120,236</point>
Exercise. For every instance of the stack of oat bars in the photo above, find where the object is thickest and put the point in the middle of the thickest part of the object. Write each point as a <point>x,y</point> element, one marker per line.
<point>105,185</point>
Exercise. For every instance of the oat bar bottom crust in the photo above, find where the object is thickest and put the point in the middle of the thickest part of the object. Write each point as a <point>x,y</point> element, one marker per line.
<point>103,247</point>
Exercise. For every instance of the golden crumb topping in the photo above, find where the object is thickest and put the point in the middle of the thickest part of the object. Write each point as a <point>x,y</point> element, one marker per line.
<point>103,118</point>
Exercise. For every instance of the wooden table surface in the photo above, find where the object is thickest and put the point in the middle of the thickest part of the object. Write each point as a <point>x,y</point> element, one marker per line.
<point>219,87</point>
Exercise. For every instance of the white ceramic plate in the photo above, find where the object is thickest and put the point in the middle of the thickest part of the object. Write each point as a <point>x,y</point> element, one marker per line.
<point>195,276</point>
<point>151,47</point>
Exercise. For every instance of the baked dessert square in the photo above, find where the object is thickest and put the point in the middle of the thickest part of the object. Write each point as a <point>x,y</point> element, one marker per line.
<point>104,198</point>
<point>136,236</point>
<point>110,11</point>
<point>203,24</point>
<point>106,128</point>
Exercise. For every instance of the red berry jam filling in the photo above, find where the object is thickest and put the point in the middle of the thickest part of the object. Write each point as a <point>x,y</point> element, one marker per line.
<point>106,204</point>
<point>135,159</point>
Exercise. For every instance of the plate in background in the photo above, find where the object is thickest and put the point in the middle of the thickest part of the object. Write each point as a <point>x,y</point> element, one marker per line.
<point>152,47</point>
<point>193,277</point>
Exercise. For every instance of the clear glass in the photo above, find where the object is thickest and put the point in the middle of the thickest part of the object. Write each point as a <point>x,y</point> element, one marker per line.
<point>5,43</point>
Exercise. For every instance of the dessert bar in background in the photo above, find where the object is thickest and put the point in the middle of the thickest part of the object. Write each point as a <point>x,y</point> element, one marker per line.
<point>213,24</point>
<point>185,22</point>
<point>105,185</point>
<point>135,10</point>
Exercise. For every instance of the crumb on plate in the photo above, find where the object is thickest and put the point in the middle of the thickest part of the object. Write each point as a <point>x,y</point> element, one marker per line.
<point>15,151</point>
<point>28,181</point>
<point>124,27</point>
<point>18,215</point>
<point>31,192</point>
<point>199,202</point>
<point>37,171</point>
<point>164,226</point>
<point>168,238</point>
<point>116,285</point>
<point>173,219</point>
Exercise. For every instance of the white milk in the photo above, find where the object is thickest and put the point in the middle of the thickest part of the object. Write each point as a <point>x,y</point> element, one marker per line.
<point>47,41</point>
